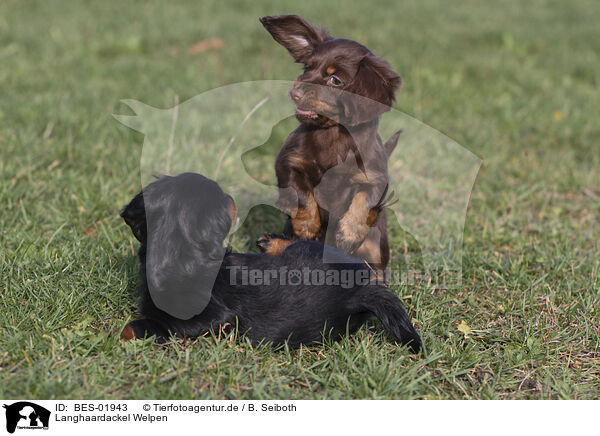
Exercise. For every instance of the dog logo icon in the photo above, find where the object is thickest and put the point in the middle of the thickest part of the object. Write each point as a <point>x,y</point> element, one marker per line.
<point>26,415</point>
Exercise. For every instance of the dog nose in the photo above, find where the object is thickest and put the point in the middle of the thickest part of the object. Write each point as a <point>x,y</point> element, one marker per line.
<point>296,94</point>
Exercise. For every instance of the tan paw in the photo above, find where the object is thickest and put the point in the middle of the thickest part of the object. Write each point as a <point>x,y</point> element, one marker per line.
<point>272,244</point>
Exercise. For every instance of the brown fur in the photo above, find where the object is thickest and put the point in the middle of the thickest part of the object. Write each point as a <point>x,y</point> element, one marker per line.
<point>306,220</point>
<point>338,132</point>
<point>273,245</point>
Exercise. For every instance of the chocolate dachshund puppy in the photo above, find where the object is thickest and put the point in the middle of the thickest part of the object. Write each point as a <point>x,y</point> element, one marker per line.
<point>193,210</point>
<point>339,97</point>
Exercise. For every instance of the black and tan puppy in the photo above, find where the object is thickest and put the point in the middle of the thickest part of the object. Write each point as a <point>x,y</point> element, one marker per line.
<point>272,309</point>
<point>340,95</point>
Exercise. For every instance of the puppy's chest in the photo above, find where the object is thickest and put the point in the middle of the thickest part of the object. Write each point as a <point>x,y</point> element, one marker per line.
<point>336,160</point>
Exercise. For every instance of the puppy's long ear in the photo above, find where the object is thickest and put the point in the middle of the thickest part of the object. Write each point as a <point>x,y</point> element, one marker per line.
<point>376,81</point>
<point>134,215</point>
<point>186,228</point>
<point>298,36</point>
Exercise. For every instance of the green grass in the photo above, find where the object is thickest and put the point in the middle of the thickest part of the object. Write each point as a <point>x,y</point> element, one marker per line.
<point>514,82</point>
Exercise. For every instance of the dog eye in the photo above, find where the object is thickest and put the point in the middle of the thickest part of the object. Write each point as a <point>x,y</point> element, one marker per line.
<point>334,81</point>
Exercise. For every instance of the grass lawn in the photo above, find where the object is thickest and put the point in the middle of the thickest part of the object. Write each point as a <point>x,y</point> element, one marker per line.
<point>515,82</point>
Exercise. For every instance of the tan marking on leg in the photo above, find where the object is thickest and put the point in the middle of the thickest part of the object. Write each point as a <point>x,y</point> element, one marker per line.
<point>276,245</point>
<point>370,251</point>
<point>368,176</point>
<point>354,225</point>
<point>306,220</point>
<point>127,333</point>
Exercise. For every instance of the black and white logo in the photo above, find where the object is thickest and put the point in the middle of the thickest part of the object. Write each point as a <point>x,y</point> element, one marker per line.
<point>26,415</point>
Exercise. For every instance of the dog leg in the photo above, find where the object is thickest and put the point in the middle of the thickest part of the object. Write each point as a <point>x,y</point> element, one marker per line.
<point>305,219</point>
<point>375,248</point>
<point>273,245</point>
<point>354,226</point>
<point>303,209</point>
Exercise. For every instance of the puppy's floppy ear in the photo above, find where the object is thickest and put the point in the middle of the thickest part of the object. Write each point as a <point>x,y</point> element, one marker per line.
<point>298,36</point>
<point>134,215</point>
<point>376,81</point>
<point>188,219</point>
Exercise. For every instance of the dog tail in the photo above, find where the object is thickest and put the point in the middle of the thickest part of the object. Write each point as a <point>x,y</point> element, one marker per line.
<point>391,143</point>
<point>386,306</point>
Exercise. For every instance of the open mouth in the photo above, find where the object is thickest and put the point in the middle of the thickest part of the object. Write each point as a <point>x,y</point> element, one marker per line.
<point>306,113</point>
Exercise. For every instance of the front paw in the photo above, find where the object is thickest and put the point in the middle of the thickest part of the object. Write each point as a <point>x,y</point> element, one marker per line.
<point>272,244</point>
<point>306,220</point>
<point>306,227</point>
<point>350,235</point>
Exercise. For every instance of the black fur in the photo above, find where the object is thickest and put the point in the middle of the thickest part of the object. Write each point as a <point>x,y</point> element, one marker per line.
<point>274,313</point>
